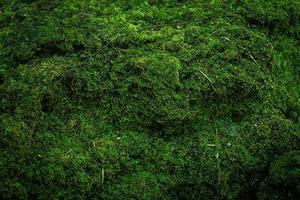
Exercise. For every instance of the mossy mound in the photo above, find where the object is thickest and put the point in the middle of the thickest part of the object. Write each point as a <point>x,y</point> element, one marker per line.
<point>284,178</point>
<point>139,99</point>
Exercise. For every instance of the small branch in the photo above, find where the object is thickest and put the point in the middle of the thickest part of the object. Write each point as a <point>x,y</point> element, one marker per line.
<point>208,80</point>
<point>211,145</point>
<point>249,54</point>
<point>102,175</point>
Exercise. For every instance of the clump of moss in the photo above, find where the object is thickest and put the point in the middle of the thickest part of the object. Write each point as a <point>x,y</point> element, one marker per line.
<point>283,179</point>
<point>142,99</point>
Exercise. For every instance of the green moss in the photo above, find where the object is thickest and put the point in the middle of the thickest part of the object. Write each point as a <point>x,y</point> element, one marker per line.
<point>283,179</point>
<point>139,99</point>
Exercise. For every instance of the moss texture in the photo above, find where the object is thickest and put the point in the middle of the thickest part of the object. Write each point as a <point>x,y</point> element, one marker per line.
<point>157,99</point>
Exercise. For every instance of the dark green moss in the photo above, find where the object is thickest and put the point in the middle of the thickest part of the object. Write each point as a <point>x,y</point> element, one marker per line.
<point>139,99</point>
<point>283,179</point>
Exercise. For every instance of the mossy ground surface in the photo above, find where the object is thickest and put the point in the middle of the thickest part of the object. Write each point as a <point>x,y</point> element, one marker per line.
<point>157,99</point>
